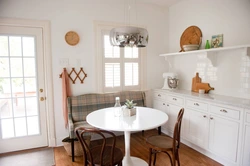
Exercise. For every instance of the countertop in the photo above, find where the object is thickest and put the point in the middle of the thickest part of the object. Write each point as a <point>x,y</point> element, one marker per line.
<point>220,99</point>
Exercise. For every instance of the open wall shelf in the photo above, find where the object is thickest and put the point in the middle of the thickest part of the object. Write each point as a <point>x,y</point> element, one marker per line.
<point>211,53</point>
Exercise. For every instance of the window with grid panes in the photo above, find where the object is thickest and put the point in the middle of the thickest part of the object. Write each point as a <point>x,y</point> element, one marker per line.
<point>121,67</point>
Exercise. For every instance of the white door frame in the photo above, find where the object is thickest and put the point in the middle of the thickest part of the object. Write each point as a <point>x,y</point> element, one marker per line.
<point>45,25</point>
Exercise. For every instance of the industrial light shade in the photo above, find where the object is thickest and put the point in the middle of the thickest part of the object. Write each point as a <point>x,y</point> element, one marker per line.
<point>129,36</point>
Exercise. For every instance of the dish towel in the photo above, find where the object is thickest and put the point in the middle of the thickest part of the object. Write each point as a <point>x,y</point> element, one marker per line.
<point>65,93</point>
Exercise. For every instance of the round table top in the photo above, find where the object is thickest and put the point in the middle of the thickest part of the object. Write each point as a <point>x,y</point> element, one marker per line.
<point>145,119</point>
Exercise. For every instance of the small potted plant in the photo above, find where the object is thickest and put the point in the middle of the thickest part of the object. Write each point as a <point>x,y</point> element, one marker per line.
<point>130,109</point>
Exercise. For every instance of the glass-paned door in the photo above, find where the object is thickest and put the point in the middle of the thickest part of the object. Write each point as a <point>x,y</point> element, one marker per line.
<point>22,93</point>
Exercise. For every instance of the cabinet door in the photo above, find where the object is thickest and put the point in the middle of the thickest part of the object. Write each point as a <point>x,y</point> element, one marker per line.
<point>246,152</point>
<point>172,111</point>
<point>196,127</point>
<point>223,137</point>
<point>159,105</point>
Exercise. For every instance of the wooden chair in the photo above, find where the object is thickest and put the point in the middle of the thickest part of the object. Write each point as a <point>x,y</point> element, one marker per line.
<point>163,143</point>
<point>104,154</point>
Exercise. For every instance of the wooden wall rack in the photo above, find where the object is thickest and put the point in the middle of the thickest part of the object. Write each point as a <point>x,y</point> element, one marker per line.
<point>76,74</point>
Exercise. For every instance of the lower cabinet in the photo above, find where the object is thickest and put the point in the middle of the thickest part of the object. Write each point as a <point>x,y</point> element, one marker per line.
<point>172,111</point>
<point>215,127</point>
<point>223,137</point>
<point>195,127</point>
<point>246,144</point>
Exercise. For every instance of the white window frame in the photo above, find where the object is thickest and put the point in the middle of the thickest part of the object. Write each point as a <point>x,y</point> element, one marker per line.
<point>102,28</point>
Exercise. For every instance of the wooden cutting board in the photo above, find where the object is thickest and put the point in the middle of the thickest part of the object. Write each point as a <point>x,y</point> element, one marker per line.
<point>195,80</point>
<point>204,86</point>
<point>191,35</point>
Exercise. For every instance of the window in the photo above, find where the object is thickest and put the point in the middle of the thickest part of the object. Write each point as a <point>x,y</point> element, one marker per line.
<point>120,68</point>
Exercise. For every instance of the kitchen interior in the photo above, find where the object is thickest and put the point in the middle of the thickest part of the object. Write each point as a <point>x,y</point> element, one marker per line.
<point>213,84</point>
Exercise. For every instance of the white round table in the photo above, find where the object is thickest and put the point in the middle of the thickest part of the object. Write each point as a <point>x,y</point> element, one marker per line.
<point>145,119</point>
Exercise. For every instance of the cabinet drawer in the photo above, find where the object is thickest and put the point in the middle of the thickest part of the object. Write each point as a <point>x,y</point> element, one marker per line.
<point>159,96</point>
<point>196,105</point>
<point>175,99</point>
<point>227,112</point>
<point>248,117</point>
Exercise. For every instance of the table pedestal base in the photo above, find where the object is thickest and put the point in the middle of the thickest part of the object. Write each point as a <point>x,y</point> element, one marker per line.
<point>133,161</point>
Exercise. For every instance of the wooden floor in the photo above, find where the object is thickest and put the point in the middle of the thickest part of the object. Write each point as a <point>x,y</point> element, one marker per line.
<point>188,156</point>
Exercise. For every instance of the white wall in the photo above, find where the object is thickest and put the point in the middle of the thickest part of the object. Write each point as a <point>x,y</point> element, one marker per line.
<point>80,15</point>
<point>228,17</point>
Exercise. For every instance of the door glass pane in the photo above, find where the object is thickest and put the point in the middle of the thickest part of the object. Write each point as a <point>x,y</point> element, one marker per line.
<point>4,67</point>
<point>17,87</point>
<point>5,108</point>
<point>29,66</point>
<point>4,51</point>
<point>7,128</point>
<point>33,125</point>
<point>5,88</point>
<point>20,127</point>
<point>31,106</point>
<point>15,46</point>
<point>16,67</point>
<point>19,107</point>
<point>30,86</point>
<point>28,46</point>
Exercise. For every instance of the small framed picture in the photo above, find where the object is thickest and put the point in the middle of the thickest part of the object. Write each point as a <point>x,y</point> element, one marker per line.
<point>217,41</point>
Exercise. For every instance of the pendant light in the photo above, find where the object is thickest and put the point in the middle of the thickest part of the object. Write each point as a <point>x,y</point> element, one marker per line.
<point>129,36</point>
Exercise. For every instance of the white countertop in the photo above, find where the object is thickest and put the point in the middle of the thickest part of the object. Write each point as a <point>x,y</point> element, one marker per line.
<point>220,99</point>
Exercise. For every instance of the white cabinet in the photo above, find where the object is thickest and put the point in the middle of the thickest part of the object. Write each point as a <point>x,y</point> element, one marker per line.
<point>174,105</point>
<point>223,137</point>
<point>196,127</point>
<point>224,128</point>
<point>172,111</point>
<point>209,126</point>
<point>246,144</point>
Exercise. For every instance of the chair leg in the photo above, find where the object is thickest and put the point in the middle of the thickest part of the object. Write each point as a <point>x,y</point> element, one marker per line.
<point>173,161</point>
<point>155,158</point>
<point>177,158</point>
<point>72,150</point>
<point>150,156</point>
<point>159,130</point>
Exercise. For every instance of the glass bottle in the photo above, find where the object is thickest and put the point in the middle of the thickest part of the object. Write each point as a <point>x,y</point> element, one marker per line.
<point>117,106</point>
<point>207,45</point>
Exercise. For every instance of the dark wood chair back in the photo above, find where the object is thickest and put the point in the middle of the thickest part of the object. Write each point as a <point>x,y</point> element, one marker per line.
<point>177,130</point>
<point>105,153</point>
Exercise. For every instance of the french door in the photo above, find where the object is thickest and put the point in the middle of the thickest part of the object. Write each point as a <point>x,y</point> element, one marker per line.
<point>22,93</point>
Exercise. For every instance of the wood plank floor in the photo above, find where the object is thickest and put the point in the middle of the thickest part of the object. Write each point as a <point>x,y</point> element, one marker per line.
<point>188,156</point>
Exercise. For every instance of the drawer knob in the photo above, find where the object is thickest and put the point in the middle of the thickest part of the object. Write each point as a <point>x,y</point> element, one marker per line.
<point>211,118</point>
<point>163,103</point>
<point>222,110</point>
<point>204,116</point>
<point>174,99</point>
<point>167,105</point>
<point>159,95</point>
<point>196,104</point>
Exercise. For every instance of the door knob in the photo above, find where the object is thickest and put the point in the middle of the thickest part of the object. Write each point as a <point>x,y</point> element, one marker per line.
<point>41,98</point>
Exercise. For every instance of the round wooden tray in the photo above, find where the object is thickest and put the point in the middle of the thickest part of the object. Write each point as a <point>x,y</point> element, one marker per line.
<point>192,35</point>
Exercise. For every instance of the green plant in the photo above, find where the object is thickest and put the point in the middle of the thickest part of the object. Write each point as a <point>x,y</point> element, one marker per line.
<point>129,104</point>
